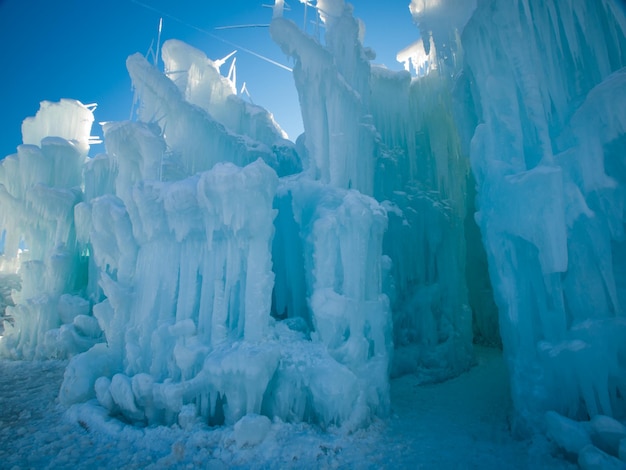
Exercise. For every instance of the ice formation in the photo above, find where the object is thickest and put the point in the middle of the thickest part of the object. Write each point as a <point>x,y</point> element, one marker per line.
<point>207,267</point>
<point>535,90</point>
<point>177,234</point>
<point>361,124</point>
<point>547,155</point>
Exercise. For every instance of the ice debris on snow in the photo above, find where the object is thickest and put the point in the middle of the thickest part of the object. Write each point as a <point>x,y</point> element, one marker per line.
<point>251,430</point>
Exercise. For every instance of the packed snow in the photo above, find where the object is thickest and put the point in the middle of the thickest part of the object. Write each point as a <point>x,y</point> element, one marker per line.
<point>461,423</point>
<point>209,291</point>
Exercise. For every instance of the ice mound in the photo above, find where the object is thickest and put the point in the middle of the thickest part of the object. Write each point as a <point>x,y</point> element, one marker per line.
<point>597,443</point>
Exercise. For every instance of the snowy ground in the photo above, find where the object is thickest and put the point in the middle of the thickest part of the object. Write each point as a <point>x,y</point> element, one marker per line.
<point>462,423</point>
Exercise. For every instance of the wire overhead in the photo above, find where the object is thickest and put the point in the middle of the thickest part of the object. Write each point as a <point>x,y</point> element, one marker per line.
<point>208,33</point>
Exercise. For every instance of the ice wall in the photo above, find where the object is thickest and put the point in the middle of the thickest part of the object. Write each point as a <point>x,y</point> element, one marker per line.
<point>546,81</point>
<point>361,124</point>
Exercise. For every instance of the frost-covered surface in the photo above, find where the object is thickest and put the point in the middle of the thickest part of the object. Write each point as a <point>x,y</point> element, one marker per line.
<point>458,424</point>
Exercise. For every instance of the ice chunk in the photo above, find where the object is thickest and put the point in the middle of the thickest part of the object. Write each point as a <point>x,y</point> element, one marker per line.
<point>251,430</point>
<point>592,458</point>
<point>569,435</point>
<point>70,306</point>
<point>83,371</point>
<point>122,394</point>
<point>606,434</point>
<point>68,119</point>
<point>87,326</point>
<point>102,387</point>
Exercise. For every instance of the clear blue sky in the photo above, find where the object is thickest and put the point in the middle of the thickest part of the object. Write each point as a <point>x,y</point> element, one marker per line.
<point>54,49</point>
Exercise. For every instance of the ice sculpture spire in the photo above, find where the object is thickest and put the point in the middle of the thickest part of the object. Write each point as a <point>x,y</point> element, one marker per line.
<point>333,84</point>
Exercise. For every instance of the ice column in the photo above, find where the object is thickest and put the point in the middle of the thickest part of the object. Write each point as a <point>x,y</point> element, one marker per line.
<point>333,86</point>
<point>39,187</point>
<point>332,258</point>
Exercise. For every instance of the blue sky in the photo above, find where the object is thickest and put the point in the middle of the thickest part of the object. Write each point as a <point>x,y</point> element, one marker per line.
<point>56,49</point>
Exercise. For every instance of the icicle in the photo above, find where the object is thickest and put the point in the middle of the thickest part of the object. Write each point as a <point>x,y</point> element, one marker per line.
<point>158,46</point>
<point>279,6</point>
<point>218,63</point>
<point>232,73</point>
<point>244,89</point>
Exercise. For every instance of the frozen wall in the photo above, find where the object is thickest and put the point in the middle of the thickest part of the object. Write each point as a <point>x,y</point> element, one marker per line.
<point>544,81</point>
<point>548,160</point>
<point>361,124</point>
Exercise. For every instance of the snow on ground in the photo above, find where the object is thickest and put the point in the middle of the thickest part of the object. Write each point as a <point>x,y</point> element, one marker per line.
<point>462,423</point>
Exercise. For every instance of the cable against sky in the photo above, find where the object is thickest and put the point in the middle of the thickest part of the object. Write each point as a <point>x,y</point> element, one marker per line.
<point>230,43</point>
